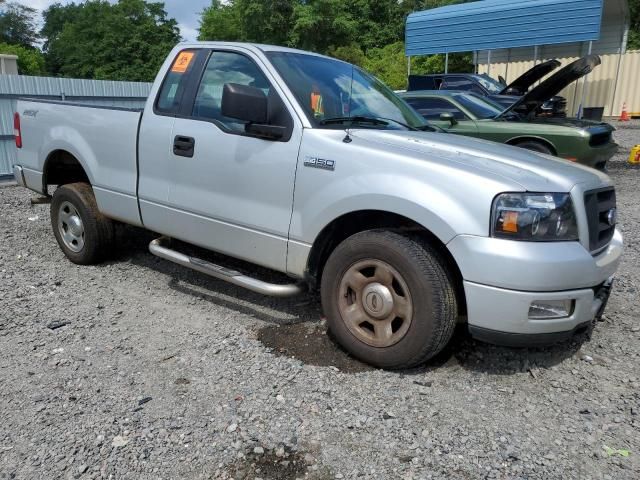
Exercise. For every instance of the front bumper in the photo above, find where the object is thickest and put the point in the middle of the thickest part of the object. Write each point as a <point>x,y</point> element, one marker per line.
<point>502,316</point>
<point>503,278</point>
<point>597,157</point>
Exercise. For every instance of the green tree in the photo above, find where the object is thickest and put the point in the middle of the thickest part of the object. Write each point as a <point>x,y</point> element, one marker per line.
<point>18,24</point>
<point>634,25</point>
<point>368,33</point>
<point>350,53</point>
<point>55,17</point>
<point>220,21</point>
<point>30,60</point>
<point>264,21</point>
<point>319,25</point>
<point>127,40</point>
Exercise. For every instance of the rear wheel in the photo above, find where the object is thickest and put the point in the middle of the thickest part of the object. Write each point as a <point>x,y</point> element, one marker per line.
<point>388,298</point>
<point>83,233</point>
<point>535,146</point>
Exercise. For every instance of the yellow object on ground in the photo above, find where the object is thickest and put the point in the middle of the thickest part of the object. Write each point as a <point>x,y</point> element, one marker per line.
<point>634,158</point>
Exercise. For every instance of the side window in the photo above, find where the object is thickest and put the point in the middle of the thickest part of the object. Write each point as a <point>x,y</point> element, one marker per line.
<point>464,84</point>
<point>431,108</point>
<point>226,67</point>
<point>174,84</point>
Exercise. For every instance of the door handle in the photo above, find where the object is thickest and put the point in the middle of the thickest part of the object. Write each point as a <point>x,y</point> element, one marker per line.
<point>183,146</point>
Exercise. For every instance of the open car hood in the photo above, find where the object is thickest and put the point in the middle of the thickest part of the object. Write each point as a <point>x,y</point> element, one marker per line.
<point>554,84</point>
<point>531,76</point>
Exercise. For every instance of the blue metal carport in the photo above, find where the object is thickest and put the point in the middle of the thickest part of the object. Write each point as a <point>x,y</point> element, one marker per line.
<point>495,24</point>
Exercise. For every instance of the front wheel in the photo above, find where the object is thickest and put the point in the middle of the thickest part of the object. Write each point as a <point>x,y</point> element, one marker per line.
<point>389,299</point>
<point>536,147</point>
<point>83,233</point>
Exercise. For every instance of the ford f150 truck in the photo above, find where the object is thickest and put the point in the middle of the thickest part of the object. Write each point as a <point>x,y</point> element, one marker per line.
<point>310,166</point>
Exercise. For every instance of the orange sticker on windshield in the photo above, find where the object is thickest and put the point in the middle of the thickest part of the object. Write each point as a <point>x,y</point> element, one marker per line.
<point>182,62</point>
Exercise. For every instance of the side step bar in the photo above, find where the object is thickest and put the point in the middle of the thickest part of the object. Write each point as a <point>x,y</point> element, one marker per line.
<point>157,248</point>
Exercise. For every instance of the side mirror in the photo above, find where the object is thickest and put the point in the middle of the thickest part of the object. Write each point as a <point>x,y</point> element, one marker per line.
<point>251,105</point>
<point>448,117</point>
<point>244,103</point>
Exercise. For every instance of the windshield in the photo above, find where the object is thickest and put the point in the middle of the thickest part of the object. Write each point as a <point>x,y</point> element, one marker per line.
<point>335,93</point>
<point>490,84</point>
<point>478,106</point>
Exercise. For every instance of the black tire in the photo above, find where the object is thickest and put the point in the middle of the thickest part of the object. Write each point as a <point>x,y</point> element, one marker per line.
<point>536,147</point>
<point>431,294</point>
<point>98,231</point>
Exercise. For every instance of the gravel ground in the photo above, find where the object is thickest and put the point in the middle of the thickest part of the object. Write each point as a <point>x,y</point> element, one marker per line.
<point>141,369</point>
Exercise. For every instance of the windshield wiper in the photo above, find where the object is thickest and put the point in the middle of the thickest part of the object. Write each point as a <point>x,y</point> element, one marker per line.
<point>374,121</point>
<point>350,120</point>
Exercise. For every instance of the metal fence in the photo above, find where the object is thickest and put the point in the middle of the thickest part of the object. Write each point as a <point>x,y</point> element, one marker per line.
<point>611,85</point>
<point>91,92</point>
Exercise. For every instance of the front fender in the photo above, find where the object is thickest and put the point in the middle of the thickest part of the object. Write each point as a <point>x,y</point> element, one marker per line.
<point>410,198</point>
<point>424,204</point>
<point>437,195</point>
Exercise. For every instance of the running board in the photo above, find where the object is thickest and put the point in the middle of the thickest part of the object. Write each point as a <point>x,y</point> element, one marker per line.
<point>157,248</point>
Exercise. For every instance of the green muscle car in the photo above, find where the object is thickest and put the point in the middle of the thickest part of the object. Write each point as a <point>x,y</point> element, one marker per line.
<point>464,113</point>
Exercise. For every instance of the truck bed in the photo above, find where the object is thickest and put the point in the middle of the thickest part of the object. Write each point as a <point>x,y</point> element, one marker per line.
<point>102,139</point>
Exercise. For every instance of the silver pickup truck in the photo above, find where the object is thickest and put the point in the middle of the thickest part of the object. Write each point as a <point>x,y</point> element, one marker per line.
<point>310,166</point>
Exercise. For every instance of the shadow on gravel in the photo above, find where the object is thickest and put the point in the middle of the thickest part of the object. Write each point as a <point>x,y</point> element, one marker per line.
<point>617,166</point>
<point>295,329</point>
<point>133,247</point>
<point>465,352</point>
<point>311,344</point>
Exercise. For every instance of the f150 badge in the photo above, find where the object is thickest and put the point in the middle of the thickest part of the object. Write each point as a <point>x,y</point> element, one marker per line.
<point>320,163</point>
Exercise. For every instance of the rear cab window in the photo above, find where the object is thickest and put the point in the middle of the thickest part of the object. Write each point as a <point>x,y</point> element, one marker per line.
<point>175,83</point>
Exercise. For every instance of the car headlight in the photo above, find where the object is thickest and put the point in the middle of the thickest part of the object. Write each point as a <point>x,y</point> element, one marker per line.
<point>534,217</point>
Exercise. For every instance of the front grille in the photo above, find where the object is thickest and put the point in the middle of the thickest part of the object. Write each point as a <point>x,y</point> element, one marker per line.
<point>598,139</point>
<point>598,204</point>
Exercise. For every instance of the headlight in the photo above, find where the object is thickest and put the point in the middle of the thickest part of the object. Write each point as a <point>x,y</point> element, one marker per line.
<point>534,217</point>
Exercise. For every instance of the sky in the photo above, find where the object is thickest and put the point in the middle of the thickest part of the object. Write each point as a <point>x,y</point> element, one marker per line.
<point>186,12</point>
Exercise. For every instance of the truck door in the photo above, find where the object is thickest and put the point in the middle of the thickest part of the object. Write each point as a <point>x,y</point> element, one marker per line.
<point>155,141</point>
<point>230,191</point>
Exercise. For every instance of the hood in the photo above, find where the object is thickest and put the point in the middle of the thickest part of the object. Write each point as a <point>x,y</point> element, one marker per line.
<point>573,122</point>
<point>521,84</point>
<point>554,84</point>
<point>532,171</point>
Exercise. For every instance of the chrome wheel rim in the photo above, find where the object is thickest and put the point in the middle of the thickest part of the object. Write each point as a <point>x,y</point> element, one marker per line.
<point>70,227</point>
<point>375,303</point>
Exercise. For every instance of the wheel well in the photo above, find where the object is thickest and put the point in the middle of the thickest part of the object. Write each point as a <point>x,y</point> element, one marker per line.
<point>61,168</point>
<point>546,143</point>
<point>349,224</point>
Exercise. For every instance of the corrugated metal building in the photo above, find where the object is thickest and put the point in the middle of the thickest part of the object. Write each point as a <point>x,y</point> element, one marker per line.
<point>521,33</point>
<point>91,92</point>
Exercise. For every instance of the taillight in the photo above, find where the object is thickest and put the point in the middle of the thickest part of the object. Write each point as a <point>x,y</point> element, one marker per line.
<point>16,129</point>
